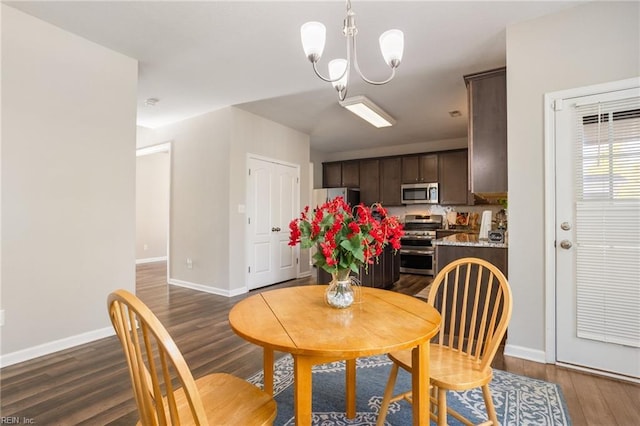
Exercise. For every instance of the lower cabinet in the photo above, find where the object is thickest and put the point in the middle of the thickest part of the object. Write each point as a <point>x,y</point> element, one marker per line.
<point>495,255</point>
<point>382,274</point>
<point>447,254</point>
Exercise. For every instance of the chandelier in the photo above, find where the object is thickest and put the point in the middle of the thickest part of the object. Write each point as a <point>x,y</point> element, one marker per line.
<point>313,38</point>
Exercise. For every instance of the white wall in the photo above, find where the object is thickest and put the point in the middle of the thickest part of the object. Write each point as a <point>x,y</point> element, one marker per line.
<point>68,194</point>
<point>256,135</point>
<point>208,183</point>
<point>152,206</point>
<point>588,44</point>
<point>199,214</point>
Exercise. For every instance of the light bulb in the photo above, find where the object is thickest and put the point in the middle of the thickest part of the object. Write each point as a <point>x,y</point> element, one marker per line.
<point>338,68</point>
<point>392,47</point>
<point>313,35</point>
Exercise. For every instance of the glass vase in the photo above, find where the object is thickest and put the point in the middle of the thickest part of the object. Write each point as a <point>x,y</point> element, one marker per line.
<point>340,293</point>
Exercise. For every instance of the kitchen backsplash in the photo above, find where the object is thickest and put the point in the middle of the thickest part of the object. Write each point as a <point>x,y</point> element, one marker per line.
<point>443,210</point>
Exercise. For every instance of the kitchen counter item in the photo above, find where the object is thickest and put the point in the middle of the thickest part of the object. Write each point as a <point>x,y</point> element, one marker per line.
<point>485,225</point>
<point>468,240</point>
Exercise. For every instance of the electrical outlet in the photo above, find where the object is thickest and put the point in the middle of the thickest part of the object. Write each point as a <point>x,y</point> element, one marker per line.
<point>189,263</point>
<point>145,247</point>
<point>1,317</point>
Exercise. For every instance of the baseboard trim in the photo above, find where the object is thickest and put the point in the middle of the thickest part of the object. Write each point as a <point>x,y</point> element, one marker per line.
<point>305,274</point>
<point>151,260</point>
<point>54,346</point>
<point>206,289</point>
<point>525,353</point>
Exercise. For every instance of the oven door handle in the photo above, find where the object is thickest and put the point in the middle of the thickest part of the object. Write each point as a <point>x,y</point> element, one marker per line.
<point>423,252</point>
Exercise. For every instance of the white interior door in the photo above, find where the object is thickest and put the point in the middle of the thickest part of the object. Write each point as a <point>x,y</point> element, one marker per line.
<point>597,142</point>
<point>273,193</point>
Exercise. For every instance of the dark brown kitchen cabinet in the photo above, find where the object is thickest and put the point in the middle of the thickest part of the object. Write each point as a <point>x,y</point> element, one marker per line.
<point>332,175</point>
<point>369,181</point>
<point>381,274</point>
<point>487,131</point>
<point>420,168</point>
<point>495,255</point>
<point>338,174</point>
<point>452,172</point>
<point>390,178</point>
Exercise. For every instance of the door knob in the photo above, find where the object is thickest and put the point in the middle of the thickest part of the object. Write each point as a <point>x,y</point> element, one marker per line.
<point>275,229</point>
<point>565,244</point>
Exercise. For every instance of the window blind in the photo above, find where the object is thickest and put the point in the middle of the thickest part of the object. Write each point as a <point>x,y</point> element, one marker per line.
<point>607,208</point>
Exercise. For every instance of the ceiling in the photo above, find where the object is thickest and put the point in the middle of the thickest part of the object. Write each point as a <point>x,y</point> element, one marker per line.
<point>200,56</point>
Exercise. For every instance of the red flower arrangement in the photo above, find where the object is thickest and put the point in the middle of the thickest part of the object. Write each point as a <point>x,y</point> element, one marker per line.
<point>347,238</point>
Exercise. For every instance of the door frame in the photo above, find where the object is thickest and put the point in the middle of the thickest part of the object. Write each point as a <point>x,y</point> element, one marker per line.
<point>154,149</point>
<point>247,237</point>
<point>550,100</point>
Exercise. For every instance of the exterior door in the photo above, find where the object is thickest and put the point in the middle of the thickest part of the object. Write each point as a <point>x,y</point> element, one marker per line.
<point>597,232</point>
<point>272,203</point>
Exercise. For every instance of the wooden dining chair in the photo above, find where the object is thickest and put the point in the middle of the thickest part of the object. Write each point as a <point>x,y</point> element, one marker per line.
<point>474,300</point>
<point>164,389</point>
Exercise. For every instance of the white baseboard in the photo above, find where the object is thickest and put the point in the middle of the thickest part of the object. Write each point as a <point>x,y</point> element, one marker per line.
<point>151,260</point>
<point>525,353</point>
<point>55,346</point>
<point>304,274</point>
<point>207,289</point>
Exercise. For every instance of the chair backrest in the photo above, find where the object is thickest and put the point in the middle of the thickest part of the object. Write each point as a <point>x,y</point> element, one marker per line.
<point>474,300</point>
<point>155,363</point>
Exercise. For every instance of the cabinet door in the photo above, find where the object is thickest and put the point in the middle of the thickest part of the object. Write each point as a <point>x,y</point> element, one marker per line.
<point>410,169</point>
<point>351,174</point>
<point>369,181</point>
<point>453,177</point>
<point>429,168</point>
<point>487,96</point>
<point>332,175</point>
<point>390,177</point>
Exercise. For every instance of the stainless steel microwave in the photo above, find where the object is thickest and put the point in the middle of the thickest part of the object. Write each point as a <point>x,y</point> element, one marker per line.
<point>420,193</point>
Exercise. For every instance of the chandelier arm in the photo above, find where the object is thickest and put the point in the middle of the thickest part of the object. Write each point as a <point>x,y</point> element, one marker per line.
<point>357,67</point>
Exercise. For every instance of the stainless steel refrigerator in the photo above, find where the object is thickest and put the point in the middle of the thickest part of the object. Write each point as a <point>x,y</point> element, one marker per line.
<point>320,196</point>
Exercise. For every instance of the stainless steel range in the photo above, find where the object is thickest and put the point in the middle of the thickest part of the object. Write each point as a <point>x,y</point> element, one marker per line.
<point>416,250</point>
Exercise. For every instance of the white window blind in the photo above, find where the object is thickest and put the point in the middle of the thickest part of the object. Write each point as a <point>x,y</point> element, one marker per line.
<point>607,203</point>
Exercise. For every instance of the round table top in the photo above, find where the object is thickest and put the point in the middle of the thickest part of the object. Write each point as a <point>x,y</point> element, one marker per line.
<point>297,320</point>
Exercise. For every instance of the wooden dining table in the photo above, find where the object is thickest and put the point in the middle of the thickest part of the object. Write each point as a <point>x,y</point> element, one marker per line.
<point>298,321</point>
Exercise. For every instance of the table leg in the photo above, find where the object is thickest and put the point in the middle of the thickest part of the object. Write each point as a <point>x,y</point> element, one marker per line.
<point>267,367</point>
<point>302,390</point>
<point>420,384</point>
<point>351,388</point>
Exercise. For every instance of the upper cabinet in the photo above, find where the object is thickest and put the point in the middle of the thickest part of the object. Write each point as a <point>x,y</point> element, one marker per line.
<point>420,168</point>
<point>452,176</point>
<point>487,97</point>
<point>370,182</point>
<point>390,177</point>
<point>338,174</point>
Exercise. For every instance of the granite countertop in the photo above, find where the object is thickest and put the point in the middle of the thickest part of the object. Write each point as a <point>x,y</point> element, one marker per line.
<point>467,240</point>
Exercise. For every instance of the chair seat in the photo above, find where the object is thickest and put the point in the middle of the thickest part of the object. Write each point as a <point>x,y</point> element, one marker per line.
<point>448,369</point>
<point>229,400</point>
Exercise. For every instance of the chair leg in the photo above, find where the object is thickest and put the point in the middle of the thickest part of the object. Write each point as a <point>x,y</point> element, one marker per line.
<point>488,401</point>
<point>388,393</point>
<point>442,407</point>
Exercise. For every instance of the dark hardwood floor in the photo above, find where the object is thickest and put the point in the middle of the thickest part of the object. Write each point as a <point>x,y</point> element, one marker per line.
<point>89,384</point>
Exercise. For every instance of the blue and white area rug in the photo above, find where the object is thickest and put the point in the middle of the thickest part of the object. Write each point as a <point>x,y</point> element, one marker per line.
<point>519,400</point>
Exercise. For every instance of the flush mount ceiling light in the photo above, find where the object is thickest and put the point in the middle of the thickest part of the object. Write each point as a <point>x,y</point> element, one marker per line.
<point>365,108</point>
<point>151,101</point>
<point>313,38</point>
